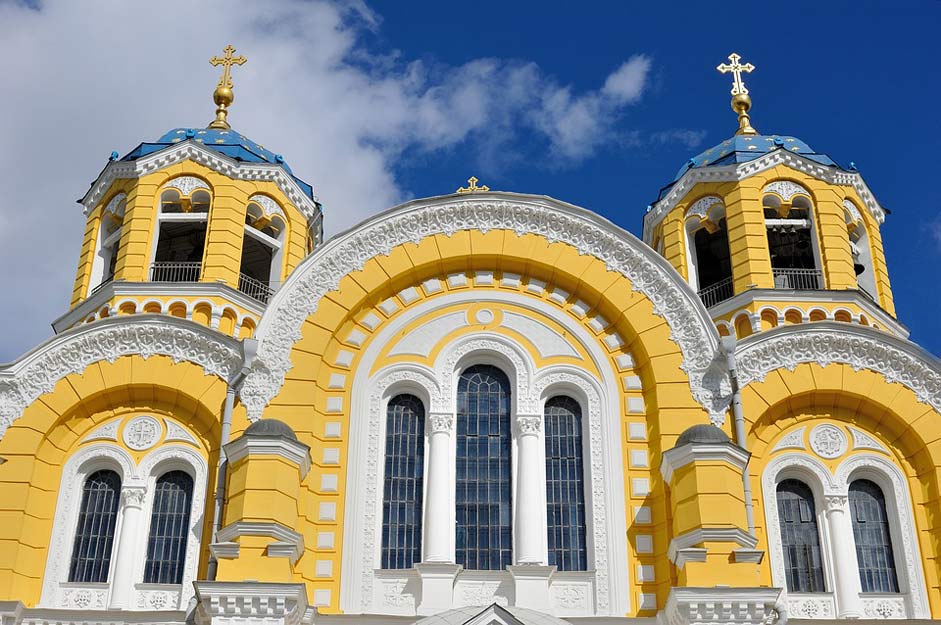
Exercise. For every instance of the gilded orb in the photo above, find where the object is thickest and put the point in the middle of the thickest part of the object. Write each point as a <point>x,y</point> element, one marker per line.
<point>223,96</point>
<point>741,102</point>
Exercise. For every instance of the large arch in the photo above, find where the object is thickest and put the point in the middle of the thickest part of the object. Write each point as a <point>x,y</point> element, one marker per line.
<point>672,299</point>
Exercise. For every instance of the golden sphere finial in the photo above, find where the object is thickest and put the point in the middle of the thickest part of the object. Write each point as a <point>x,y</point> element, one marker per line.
<point>223,96</point>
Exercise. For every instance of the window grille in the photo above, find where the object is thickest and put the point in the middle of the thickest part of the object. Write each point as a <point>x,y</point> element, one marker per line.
<point>873,541</point>
<point>797,516</point>
<point>484,536</point>
<point>169,527</point>
<point>565,495</point>
<point>94,536</point>
<point>403,482</point>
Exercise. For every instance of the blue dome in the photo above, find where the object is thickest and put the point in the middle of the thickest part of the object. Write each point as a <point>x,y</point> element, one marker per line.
<point>743,148</point>
<point>228,142</point>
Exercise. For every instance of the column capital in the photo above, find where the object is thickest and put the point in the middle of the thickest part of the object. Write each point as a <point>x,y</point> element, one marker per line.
<point>441,421</point>
<point>835,502</point>
<point>529,424</point>
<point>133,496</point>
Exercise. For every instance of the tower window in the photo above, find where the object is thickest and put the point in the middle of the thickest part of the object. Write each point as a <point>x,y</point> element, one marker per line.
<point>94,535</point>
<point>565,495</point>
<point>403,482</point>
<point>792,243</point>
<point>169,526</point>
<point>484,535</point>
<point>707,248</point>
<point>181,236</point>
<point>261,248</point>
<point>800,537</point>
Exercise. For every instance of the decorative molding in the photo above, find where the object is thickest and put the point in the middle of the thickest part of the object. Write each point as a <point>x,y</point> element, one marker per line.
<point>701,207</point>
<point>186,184</point>
<point>133,496</point>
<point>885,607</point>
<point>853,211</point>
<point>722,606</point>
<point>702,535</point>
<point>115,206</point>
<point>106,432</point>
<point>269,206</point>
<point>252,603</point>
<point>690,325</point>
<point>792,440</point>
<point>291,450</point>
<point>176,432</point>
<point>678,457</point>
<point>741,171</point>
<point>190,150</point>
<point>825,343</point>
<point>288,543</point>
<point>861,440</point>
<point>785,189</point>
<point>828,441</point>
<point>142,433</point>
<point>529,425</point>
<point>73,351</point>
<point>815,606</point>
<point>441,422</point>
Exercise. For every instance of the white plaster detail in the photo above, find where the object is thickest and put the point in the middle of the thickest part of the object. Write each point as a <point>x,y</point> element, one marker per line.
<point>389,306</point>
<point>792,440</point>
<point>613,341</point>
<point>334,404</point>
<point>637,431</point>
<point>537,287</point>
<point>344,358</point>
<point>642,515</point>
<point>635,405</point>
<point>484,315</point>
<point>828,441</point>
<point>645,573</point>
<point>701,207</point>
<point>559,296</point>
<point>327,511</point>
<point>510,280</point>
<point>106,432</point>
<point>862,440</point>
<point>329,482</point>
<point>332,429</point>
<point>815,606</point>
<point>370,320</point>
<point>647,601</point>
<point>457,280</point>
<point>639,458</point>
<point>579,308</point>
<point>142,433</point>
<point>786,189</point>
<point>331,455</point>
<point>624,361</point>
<point>643,543</point>
<point>186,184</point>
<point>325,540</point>
<point>431,286</point>
<point>853,211</point>
<point>409,295</point>
<point>117,205</point>
<point>323,568</point>
<point>336,381</point>
<point>640,486</point>
<point>422,339</point>
<point>483,278</point>
<point>269,206</point>
<point>632,383</point>
<point>355,337</point>
<point>547,341</point>
<point>176,432</point>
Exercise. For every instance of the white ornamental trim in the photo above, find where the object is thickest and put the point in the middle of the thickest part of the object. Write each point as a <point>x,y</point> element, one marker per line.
<point>142,433</point>
<point>186,184</point>
<point>673,299</point>
<point>853,211</point>
<point>791,440</point>
<point>269,206</point>
<point>785,189</point>
<point>828,441</point>
<point>701,207</point>
<point>741,171</point>
<point>190,150</point>
<point>827,342</point>
<point>36,373</point>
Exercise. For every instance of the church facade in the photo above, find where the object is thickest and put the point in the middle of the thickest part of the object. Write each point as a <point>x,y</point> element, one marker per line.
<point>479,408</point>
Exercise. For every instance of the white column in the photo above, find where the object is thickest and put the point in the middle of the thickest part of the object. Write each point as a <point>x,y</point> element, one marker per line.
<point>438,528</point>
<point>530,531</point>
<point>846,586</point>
<point>124,553</point>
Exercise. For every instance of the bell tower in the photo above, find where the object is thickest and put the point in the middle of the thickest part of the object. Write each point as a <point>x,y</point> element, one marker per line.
<point>769,232</point>
<point>202,223</point>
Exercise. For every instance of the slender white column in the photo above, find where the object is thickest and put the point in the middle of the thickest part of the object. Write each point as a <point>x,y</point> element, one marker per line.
<point>438,526</point>
<point>843,554</point>
<point>529,537</point>
<point>124,554</point>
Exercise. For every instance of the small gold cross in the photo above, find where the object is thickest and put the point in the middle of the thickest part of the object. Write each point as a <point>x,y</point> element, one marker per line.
<point>227,61</point>
<point>223,96</point>
<point>738,86</point>
<point>472,186</point>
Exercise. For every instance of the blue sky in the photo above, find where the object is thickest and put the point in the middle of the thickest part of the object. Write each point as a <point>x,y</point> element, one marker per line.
<point>597,104</point>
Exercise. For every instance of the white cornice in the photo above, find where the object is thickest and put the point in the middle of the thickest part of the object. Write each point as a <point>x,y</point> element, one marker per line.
<point>288,543</point>
<point>252,602</point>
<point>827,342</point>
<point>678,457</point>
<point>191,150</point>
<point>291,450</point>
<point>729,606</point>
<point>741,171</point>
<point>702,535</point>
<point>38,371</point>
<point>690,325</point>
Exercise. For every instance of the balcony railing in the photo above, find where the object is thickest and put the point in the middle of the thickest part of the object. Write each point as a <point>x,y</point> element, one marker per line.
<point>804,279</point>
<point>718,292</point>
<point>256,289</point>
<point>175,271</point>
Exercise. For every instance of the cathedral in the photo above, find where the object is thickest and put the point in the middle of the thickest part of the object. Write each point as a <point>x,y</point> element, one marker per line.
<point>481,408</point>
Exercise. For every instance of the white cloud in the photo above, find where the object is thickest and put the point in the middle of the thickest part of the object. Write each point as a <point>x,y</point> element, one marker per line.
<point>84,78</point>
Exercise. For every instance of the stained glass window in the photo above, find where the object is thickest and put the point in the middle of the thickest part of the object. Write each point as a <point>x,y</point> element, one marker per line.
<point>484,535</point>
<point>873,542</point>
<point>169,528</point>
<point>565,495</point>
<point>402,485</point>
<point>797,515</point>
<point>94,536</point>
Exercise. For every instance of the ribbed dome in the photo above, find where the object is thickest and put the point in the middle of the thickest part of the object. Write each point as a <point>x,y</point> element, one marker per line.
<point>270,427</point>
<point>743,148</point>
<point>702,433</point>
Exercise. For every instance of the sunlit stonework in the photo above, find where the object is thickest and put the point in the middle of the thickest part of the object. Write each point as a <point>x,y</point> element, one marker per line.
<point>480,408</point>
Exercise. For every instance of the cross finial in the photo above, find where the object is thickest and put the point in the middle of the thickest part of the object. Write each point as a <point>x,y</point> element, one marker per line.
<point>472,186</point>
<point>223,96</point>
<point>741,101</point>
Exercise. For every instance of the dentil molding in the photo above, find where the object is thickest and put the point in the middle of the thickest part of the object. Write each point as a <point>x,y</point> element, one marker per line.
<point>690,325</point>
<point>36,373</point>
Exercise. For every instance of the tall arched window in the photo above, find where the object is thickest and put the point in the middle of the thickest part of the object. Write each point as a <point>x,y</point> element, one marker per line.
<point>94,535</point>
<point>873,543</point>
<point>792,243</point>
<point>800,538</point>
<point>261,248</point>
<point>707,248</point>
<point>565,495</point>
<point>169,526</point>
<point>181,236</point>
<point>403,482</point>
<point>484,534</point>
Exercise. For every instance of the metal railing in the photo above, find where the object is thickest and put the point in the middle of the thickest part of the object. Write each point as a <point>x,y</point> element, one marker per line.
<point>806,279</point>
<point>175,271</point>
<point>256,289</point>
<point>718,292</point>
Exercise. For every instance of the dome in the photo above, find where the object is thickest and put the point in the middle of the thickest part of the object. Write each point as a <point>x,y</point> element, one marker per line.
<point>270,427</point>
<point>229,142</point>
<point>460,616</point>
<point>701,433</point>
<point>743,148</point>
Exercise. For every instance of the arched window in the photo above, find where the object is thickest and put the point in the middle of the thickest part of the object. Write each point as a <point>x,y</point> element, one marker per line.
<point>109,236</point>
<point>181,236</point>
<point>94,535</point>
<point>565,495</point>
<point>261,248</point>
<point>800,538</point>
<point>484,534</point>
<point>792,242</point>
<point>169,526</point>
<point>403,482</point>
<point>707,247</point>
<point>860,249</point>
<point>873,542</point>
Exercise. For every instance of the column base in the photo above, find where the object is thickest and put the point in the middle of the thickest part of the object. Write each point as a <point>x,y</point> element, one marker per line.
<point>437,586</point>
<point>531,582</point>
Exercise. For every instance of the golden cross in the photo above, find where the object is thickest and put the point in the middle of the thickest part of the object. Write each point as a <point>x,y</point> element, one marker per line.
<point>472,186</point>
<point>738,87</point>
<point>227,62</point>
